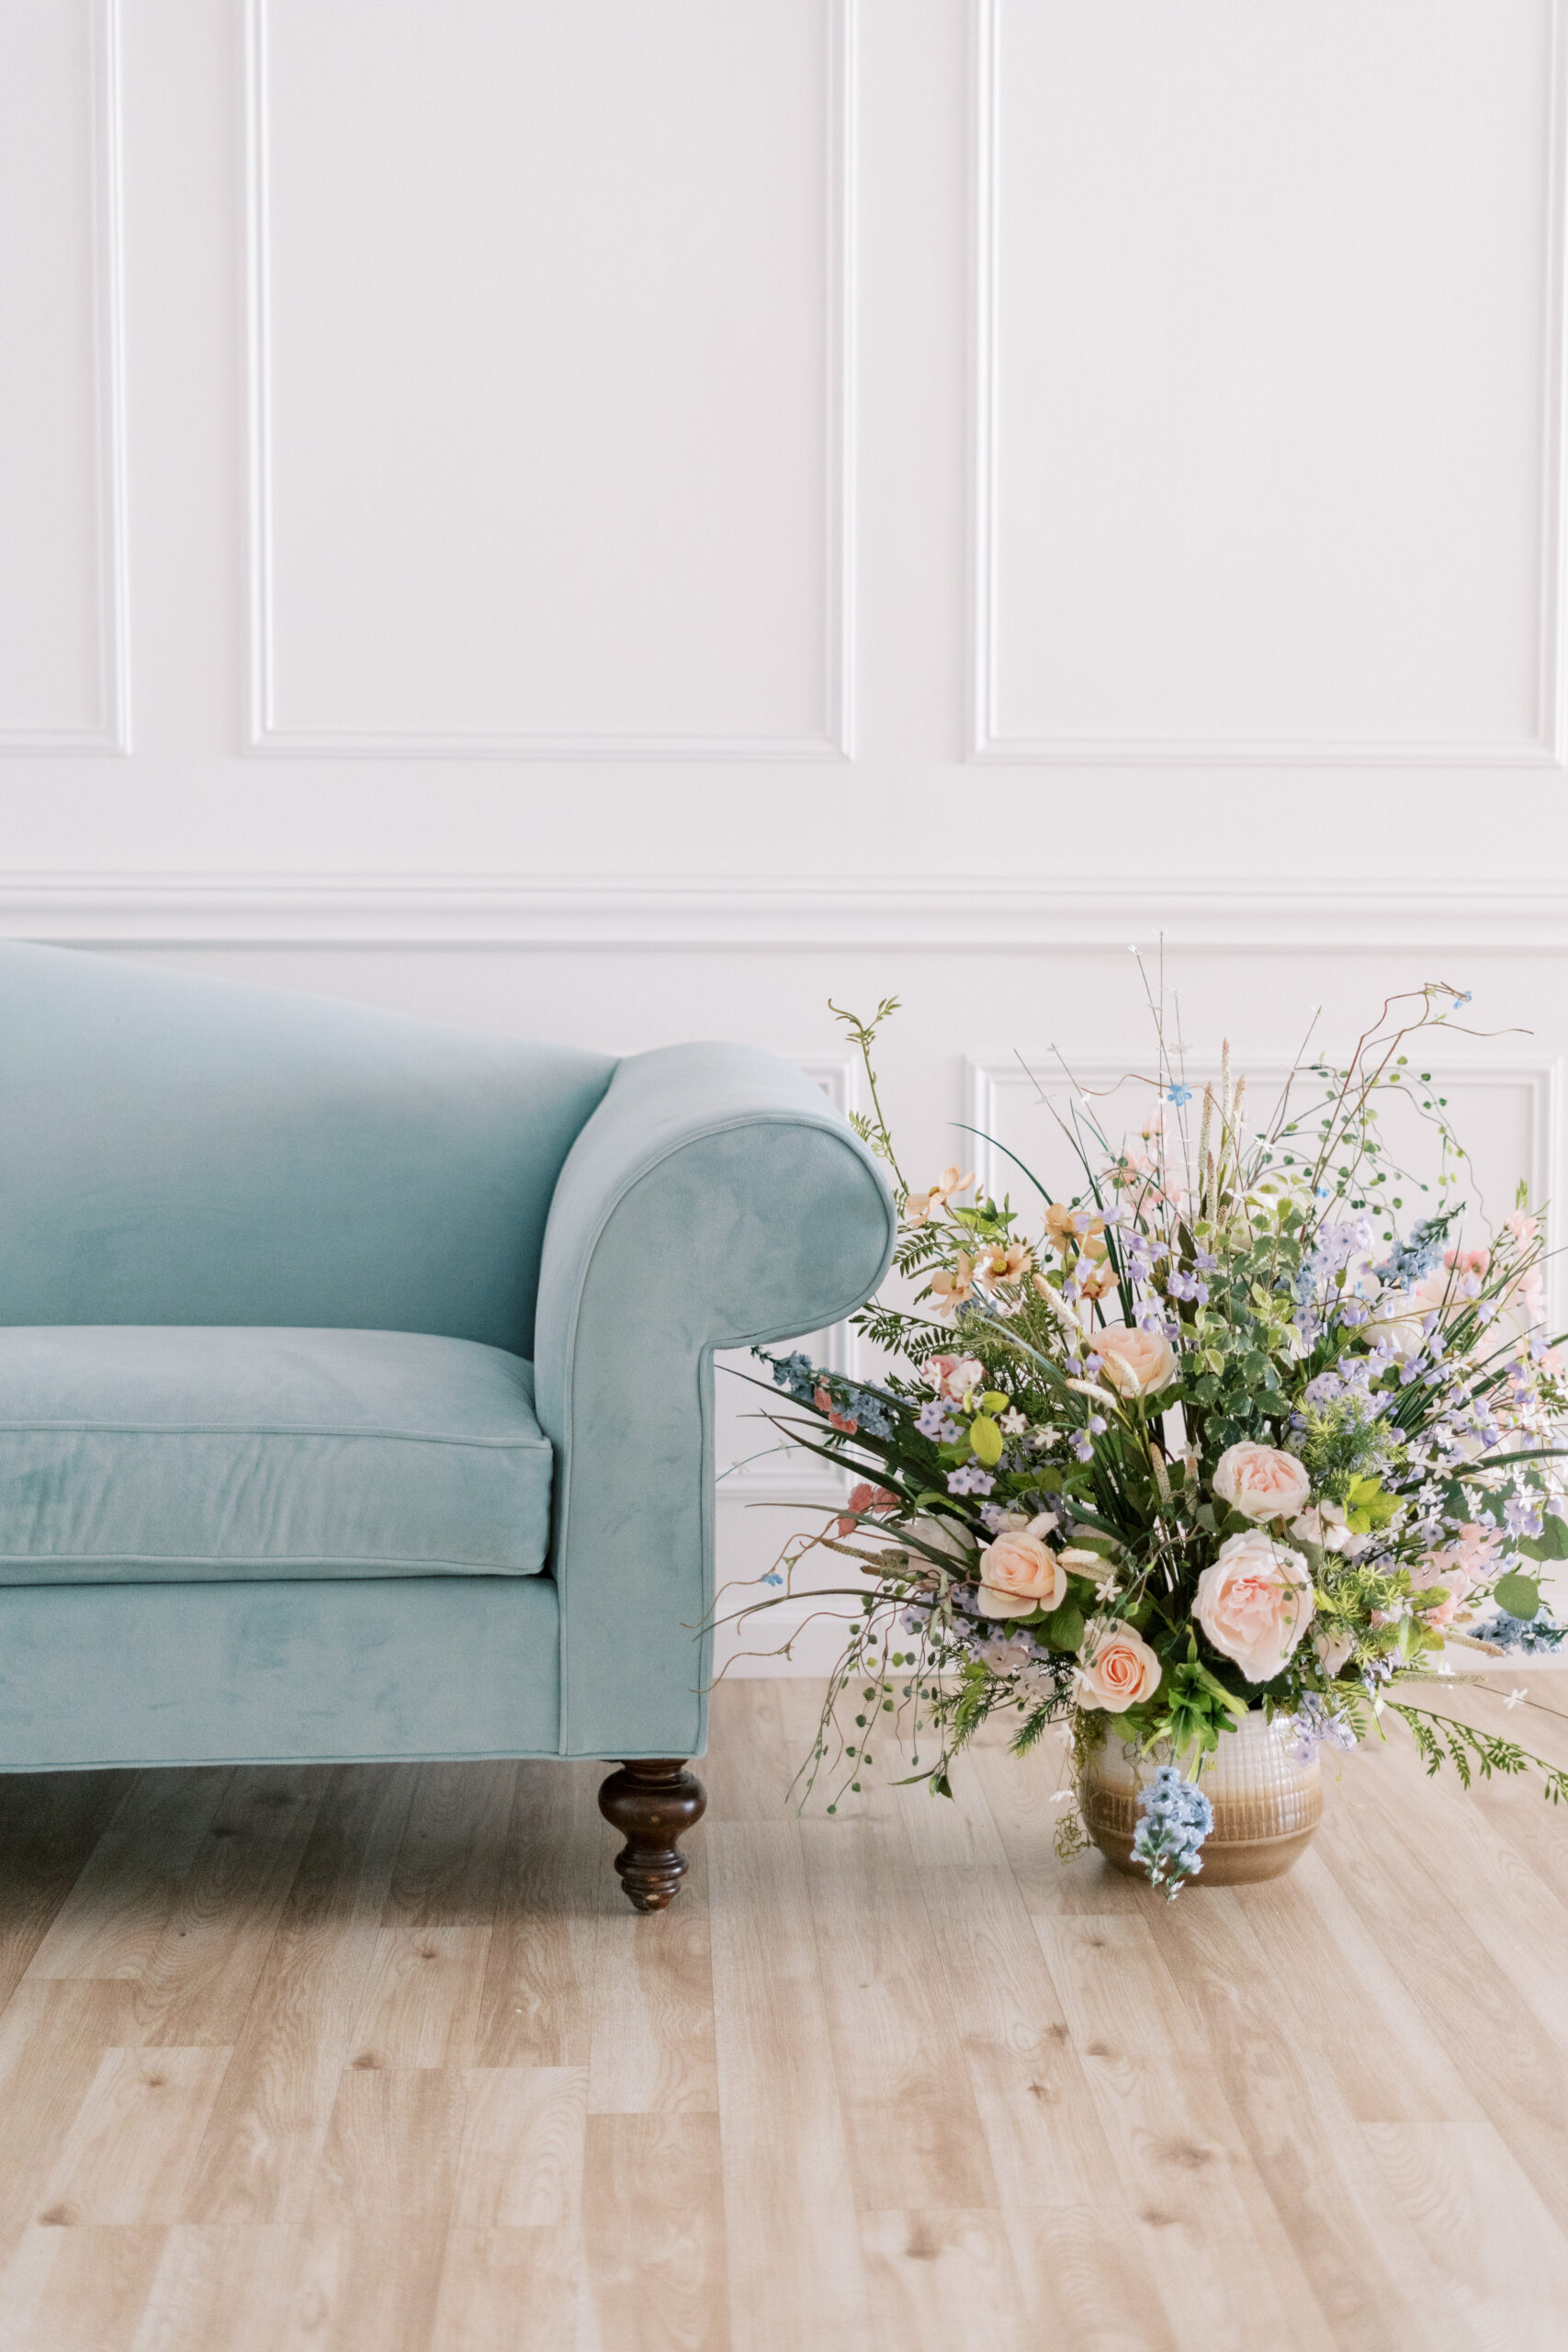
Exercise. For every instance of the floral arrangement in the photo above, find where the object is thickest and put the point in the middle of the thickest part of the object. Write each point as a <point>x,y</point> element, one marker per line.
<point>1213,1435</point>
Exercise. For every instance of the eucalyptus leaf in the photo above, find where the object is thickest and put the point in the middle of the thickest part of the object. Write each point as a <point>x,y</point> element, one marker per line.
<point>1519,1595</point>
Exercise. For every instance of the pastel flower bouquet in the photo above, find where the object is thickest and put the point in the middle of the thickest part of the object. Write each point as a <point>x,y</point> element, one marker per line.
<point>1212,1448</point>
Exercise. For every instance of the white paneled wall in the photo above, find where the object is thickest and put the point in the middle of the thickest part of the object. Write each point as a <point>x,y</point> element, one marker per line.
<point>549,381</point>
<point>1251,280</point>
<point>623,519</point>
<point>62,600</point>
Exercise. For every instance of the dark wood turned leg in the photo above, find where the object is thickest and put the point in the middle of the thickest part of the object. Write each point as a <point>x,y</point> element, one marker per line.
<point>652,1803</point>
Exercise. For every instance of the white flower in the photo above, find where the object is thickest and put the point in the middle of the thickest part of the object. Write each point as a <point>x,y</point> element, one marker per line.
<point>1324,1524</point>
<point>1013,1423</point>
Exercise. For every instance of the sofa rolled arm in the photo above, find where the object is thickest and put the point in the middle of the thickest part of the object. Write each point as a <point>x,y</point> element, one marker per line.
<point>713,1200</point>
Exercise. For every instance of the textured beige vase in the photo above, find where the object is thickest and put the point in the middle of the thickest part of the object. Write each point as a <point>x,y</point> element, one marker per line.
<point>1266,1804</point>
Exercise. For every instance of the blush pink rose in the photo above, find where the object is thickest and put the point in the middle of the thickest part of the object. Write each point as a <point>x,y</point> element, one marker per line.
<point>1260,1482</point>
<point>1020,1572</point>
<point>1255,1602</point>
<point>1137,1362</point>
<point>1117,1669</point>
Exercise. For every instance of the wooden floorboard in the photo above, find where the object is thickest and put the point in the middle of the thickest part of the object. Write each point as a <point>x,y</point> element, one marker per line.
<point>378,2060</point>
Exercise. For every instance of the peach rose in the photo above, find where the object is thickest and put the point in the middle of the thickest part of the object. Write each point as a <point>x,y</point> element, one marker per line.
<point>1260,1482</point>
<point>1255,1602</point>
<point>1020,1572</point>
<point>1136,1363</point>
<point>1118,1669</point>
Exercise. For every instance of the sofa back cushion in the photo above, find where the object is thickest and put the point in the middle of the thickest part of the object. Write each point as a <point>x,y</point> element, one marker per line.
<point>183,1150</point>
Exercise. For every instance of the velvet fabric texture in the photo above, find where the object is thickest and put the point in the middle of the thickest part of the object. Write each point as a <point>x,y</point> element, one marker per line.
<point>714,1199</point>
<point>329,1671</point>
<point>357,1191</point>
<point>178,1150</point>
<point>137,1451</point>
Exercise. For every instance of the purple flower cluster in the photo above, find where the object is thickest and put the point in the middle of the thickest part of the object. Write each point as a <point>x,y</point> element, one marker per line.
<point>934,1420</point>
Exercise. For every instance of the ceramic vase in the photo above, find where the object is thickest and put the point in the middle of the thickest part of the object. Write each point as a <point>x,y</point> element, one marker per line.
<point>1267,1805</point>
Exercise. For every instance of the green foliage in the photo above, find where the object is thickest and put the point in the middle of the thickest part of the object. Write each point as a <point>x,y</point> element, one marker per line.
<point>1519,1595</point>
<point>1551,1544</point>
<point>1441,1739</point>
<point>1197,1707</point>
<point>985,1439</point>
<point>1342,1446</point>
<point>1367,1506</point>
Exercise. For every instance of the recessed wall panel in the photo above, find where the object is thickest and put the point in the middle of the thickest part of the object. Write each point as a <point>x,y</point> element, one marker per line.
<point>549,376</point>
<point>1266,379</point>
<point>61,683</point>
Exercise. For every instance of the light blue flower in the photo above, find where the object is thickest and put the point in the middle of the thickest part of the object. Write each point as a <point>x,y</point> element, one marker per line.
<point>1174,1819</point>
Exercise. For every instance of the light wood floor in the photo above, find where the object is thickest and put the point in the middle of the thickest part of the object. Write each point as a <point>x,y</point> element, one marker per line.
<point>378,2058</point>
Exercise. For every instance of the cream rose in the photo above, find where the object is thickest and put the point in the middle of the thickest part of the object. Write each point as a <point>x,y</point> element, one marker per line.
<point>1117,1669</point>
<point>1255,1602</point>
<point>1136,1363</point>
<point>1260,1482</point>
<point>1020,1572</point>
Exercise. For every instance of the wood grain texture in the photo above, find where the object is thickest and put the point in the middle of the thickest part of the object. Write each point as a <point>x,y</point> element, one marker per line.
<point>552,1890</point>
<point>114,1916</point>
<point>264,2138</point>
<point>653,2233</point>
<point>375,2059</point>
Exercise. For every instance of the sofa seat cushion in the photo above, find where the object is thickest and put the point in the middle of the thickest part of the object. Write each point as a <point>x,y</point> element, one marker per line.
<point>144,1454</point>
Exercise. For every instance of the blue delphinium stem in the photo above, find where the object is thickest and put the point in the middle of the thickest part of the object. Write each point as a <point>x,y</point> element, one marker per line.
<point>1174,1819</point>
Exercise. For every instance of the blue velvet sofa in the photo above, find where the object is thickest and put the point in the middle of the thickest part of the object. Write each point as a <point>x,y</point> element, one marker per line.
<point>356,1376</point>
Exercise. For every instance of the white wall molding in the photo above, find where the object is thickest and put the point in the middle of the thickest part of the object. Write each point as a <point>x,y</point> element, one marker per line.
<point>1548,745</point>
<point>735,914</point>
<point>112,736</point>
<point>836,738</point>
